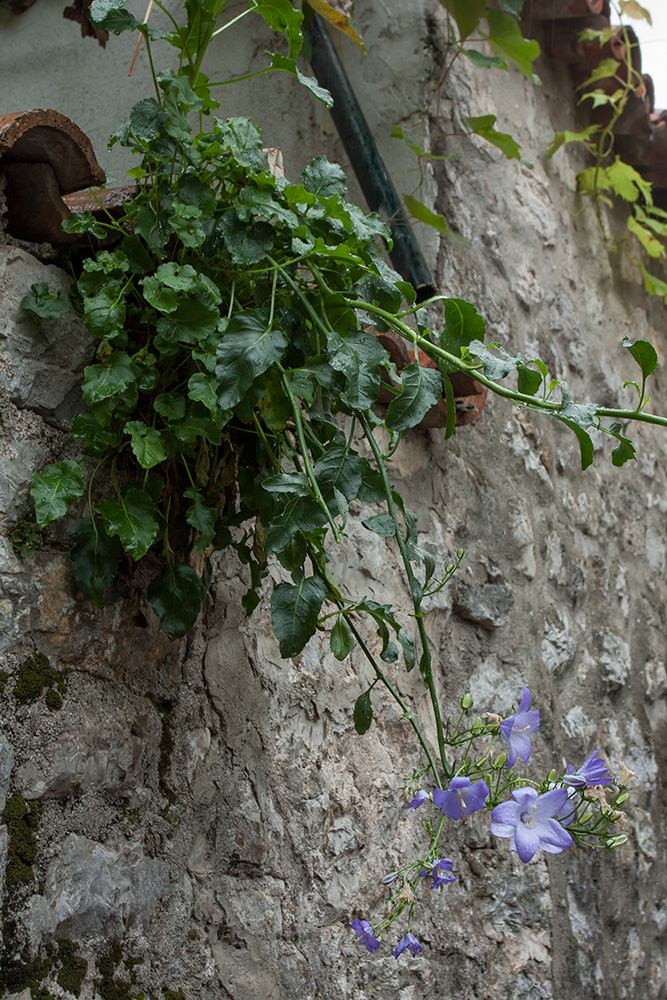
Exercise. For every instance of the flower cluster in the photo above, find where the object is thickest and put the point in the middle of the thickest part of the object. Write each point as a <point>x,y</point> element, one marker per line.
<point>533,818</point>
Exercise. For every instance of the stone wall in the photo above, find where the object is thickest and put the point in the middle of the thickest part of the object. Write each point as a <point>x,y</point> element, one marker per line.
<point>197,819</point>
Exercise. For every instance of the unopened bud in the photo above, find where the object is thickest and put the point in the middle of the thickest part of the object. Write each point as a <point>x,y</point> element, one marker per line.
<point>389,878</point>
<point>551,776</point>
<point>500,760</point>
<point>620,838</point>
<point>466,701</point>
<point>477,725</point>
<point>622,798</point>
<point>586,818</point>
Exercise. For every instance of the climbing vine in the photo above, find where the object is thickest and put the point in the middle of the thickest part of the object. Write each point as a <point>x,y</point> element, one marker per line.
<point>233,403</point>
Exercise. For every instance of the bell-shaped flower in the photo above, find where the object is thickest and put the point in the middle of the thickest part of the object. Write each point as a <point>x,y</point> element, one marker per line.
<point>420,798</point>
<point>592,772</point>
<point>530,821</point>
<point>517,730</point>
<point>409,942</point>
<point>461,798</point>
<point>364,932</point>
<point>439,870</point>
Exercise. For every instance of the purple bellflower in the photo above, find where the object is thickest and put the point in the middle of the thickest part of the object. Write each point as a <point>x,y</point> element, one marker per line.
<point>462,798</point>
<point>364,932</point>
<point>439,870</point>
<point>420,798</point>
<point>530,821</point>
<point>593,771</point>
<point>517,730</point>
<point>408,941</point>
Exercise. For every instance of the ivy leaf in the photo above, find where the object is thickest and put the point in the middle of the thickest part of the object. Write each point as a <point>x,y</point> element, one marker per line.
<point>363,713</point>
<point>43,303</point>
<point>175,597</point>
<point>146,443</point>
<point>507,42</point>
<point>466,13</point>
<point>421,388</point>
<point>132,519</point>
<point>423,214</point>
<point>289,65</point>
<point>106,381</point>
<point>342,642</point>
<point>381,524</point>
<point>585,443</point>
<point>55,489</point>
<point>94,559</point>
<point>324,179</point>
<point>483,127</point>
<point>462,325</point>
<point>644,354</point>
<point>294,613</point>
<point>248,347</point>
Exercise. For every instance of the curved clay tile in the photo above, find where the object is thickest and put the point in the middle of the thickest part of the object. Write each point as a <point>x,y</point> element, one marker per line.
<point>49,137</point>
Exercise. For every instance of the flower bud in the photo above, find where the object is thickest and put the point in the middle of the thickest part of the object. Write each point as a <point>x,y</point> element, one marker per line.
<point>588,815</point>
<point>477,725</point>
<point>466,701</point>
<point>551,776</point>
<point>620,838</point>
<point>622,798</point>
<point>389,878</point>
<point>500,760</point>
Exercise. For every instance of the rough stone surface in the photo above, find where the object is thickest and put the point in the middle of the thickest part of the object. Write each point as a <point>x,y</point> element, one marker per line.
<point>488,606</point>
<point>239,773</point>
<point>6,765</point>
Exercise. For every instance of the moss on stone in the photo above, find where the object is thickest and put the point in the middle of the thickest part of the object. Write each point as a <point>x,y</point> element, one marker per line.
<point>22,820</point>
<point>53,700</point>
<point>73,968</point>
<point>4,677</point>
<point>17,974</point>
<point>174,995</point>
<point>33,676</point>
<point>109,987</point>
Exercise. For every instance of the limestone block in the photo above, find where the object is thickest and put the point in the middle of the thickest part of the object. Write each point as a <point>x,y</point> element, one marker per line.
<point>92,889</point>
<point>488,605</point>
<point>6,764</point>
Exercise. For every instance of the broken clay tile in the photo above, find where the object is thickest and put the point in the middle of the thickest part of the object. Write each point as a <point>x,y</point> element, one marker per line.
<point>48,137</point>
<point>100,200</point>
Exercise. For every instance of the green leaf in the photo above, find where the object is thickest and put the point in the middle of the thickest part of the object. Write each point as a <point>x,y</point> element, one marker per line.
<point>653,285</point>
<point>202,519</point>
<point>342,641</point>
<point>484,61</point>
<point>381,524</point>
<point>421,388</point>
<point>245,244</point>
<point>340,18</point>
<point>483,127</point>
<point>654,248</point>
<point>248,347</point>
<point>289,65</point>
<point>55,489</point>
<point>171,404</point>
<point>338,469</point>
<point>626,182</point>
<point>624,451</point>
<point>408,646</point>
<point>529,380</point>
<point>507,42</point>
<point>423,214</point>
<point>185,221</point>
<point>581,414</point>
<point>94,559</point>
<point>565,137</point>
<point>466,13</point>
<point>300,514</point>
<point>585,443</point>
<point>324,179</point>
<point>175,597</point>
<point>360,357</point>
<point>281,16</point>
<point>132,519</point>
<point>43,303</point>
<point>294,613</point>
<point>495,368</point>
<point>293,484</point>
<point>105,381</point>
<point>450,424</point>
<point>146,443</point>
<point>630,8</point>
<point>363,713</point>
<point>644,354</point>
<point>463,324</point>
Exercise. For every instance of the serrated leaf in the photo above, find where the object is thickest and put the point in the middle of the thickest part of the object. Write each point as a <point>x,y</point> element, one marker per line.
<point>294,613</point>
<point>94,559</point>
<point>630,8</point>
<point>363,713</point>
<point>55,489</point>
<point>381,524</point>
<point>466,13</point>
<point>132,519</point>
<point>463,324</point>
<point>423,214</point>
<point>146,443</point>
<point>625,181</point>
<point>249,346</point>
<point>644,354</point>
<point>43,303</point>
<point>507,42</point>
<point>339,19</point>
<point>483,127</point>
<point>565,137</point>
<point>421,388</point>
<point>341,640</point>
<point>175,597</point>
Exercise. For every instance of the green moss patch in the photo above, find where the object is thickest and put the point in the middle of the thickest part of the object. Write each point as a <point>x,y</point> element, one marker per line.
<point>33,676</point>
<point>22,819</point>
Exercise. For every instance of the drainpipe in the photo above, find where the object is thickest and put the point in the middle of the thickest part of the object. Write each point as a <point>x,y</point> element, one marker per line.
<point>368,165</point>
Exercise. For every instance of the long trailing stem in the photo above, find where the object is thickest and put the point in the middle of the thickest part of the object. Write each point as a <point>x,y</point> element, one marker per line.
<point>425,665</point>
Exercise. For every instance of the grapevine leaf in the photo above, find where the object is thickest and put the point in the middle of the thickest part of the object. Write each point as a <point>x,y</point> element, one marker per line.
<point>175,597</point>
<point>363,713</point>
<point>565,137</point>
<point>507,42</point>
<point>483,127</point>
<point>421,389</point>
<point>94,559</point>
<point>341,639</point>
<point>294,612</point>
<point>55,489</point>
